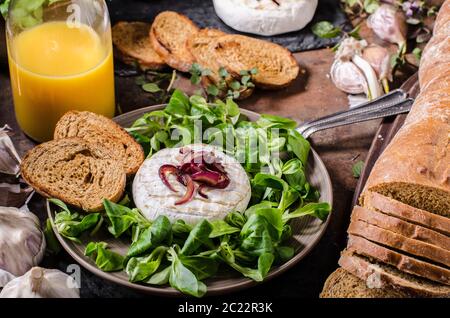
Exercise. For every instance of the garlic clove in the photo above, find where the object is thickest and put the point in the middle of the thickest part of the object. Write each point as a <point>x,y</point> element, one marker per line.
<point>379,58</point>
<point>5,277</point>
<point>389,24</point>
<point>347,77</point>
<point>9,158</point>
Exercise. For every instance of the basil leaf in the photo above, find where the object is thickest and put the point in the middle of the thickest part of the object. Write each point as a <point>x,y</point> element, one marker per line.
<point>141,268</point>
<point>182,279</point>
<point>178,104</point>
<point>151,237</point>
<point>197,237</point>
<point>105,259</point>
<point>326,30</point>
<point>122,218</point>
<point>203,267</point>
<point>221,228</point>
<point>160,278</point>
<point>319,210</point>
<point>272,121</point>
<point>299,146</point>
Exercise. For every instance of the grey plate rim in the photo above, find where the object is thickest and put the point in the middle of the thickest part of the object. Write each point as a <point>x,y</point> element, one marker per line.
<point>243,283</point>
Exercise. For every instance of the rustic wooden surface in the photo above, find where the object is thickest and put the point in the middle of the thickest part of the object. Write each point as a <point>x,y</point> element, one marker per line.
<point>311,96</point>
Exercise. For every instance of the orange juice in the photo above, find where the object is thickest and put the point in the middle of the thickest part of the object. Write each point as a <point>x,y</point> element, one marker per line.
<point>55,68</point>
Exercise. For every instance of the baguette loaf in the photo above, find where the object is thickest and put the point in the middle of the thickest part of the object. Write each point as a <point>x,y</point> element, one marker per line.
<point>342,284</point>
<point>75,171</point>
<point>93,127</point>
<point>385,276</point>
<point>400,261</point>
<point>378,202</point>
<point>401,227</point>
<point>168,36</point>
<point>442,23</point>
<point>435,58</point>
<point>133,45</point>
<point>400,242</point>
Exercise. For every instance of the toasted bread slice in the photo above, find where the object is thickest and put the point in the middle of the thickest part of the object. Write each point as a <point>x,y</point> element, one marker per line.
<point>385,276</point>
<point>202,47</point>
<point>132,42</point>
<point>342,284</point>
<point>168,36</point>
<point>399,242</point>
<point>401,261</point>
<point>277,67</point>
<point>75,171</point>
<point>93,127</point>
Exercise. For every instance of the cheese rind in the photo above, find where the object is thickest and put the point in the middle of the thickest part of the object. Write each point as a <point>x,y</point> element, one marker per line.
<point>153,198</point>
<point>266,17</point>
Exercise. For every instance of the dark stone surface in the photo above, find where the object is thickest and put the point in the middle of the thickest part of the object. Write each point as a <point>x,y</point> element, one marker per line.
<point>202,12</point>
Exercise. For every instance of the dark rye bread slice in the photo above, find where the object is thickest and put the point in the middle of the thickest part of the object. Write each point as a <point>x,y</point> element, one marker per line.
<point>75,171</point>
<point>94,127</point>
<point>400,242</point>
<point>380,275</point>
<point>342,284</point>
<point>132,42</point>
<point>401,227</point>
<point>277,67</point>
<point>400,261</point>
<point>375,201</point>
<point>168,36</point>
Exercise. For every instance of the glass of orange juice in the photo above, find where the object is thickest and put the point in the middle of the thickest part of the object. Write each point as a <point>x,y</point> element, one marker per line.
<point>60,59</point>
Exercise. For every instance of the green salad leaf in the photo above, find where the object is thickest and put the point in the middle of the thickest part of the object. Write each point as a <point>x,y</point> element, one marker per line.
<point>141,268</point>
<point>105,259</point>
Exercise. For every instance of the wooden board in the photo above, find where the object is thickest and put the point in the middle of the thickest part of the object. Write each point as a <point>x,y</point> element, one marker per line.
<point>385,133</point>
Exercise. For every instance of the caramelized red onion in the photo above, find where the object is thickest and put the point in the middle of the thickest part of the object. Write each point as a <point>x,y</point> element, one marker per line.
<point>196,168</point>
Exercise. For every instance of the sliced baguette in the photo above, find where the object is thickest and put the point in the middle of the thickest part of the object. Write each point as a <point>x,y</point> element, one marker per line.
<point>401,227</point>
<point>414,168</point>
<point>75,171</point>
<point>132,42</point>
<point>168,36</point>
<point>379,202</point>
<point>277,67</point>
<point>386,276</point>
<point>399,242</point>
<point>402,262</point>
<point>93,127</point>
<point>342,284</point>
<point>442,23</point>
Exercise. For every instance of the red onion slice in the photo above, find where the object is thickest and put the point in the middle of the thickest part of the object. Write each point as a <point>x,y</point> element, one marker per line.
<point>164,171</point>
<point>201,190</point>
<point>209,178</point>
<point>190,189</point>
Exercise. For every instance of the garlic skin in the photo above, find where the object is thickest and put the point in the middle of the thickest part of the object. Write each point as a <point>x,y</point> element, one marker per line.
<point>347,77</point>
<point>22,242</point>
<point>379,58</point>
<point>41,283</point>
<point>359,77</point>
<point>389,24</point>
<point>9,158</point>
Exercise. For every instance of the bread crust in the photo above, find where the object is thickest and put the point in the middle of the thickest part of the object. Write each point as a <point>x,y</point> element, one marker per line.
<point>168,39</point>
<point>401,227</point>
<point>133,45</point>
<point>402,262</point>
<point>90,126</point>
<point>376,201</point>
<point>400,242</point>
<point>75,171</point>
<point>382,278</point>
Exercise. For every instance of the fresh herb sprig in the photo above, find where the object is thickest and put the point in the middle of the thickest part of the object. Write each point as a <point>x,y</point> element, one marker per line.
<point>227,86</point>
<point>159,85</point>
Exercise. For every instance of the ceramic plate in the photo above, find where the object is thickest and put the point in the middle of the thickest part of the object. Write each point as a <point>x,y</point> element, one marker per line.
<point>307,232</point>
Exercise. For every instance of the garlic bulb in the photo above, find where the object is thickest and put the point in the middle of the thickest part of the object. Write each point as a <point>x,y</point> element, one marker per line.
<point>22,243</point>
<point>41,283</point>
<point>389,24</point>
<point>379,58</point>
<point>348,77</point>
